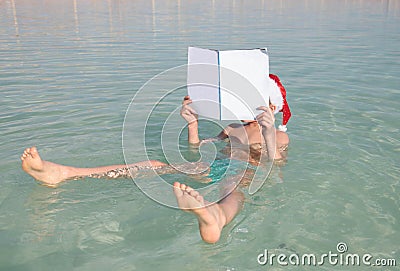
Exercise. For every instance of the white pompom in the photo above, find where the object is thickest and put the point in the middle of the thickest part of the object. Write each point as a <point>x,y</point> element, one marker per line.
<point>282,128</point>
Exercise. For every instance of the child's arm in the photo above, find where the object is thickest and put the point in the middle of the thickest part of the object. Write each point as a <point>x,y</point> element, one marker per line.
<point>190,116</point>
<point>267,122</point>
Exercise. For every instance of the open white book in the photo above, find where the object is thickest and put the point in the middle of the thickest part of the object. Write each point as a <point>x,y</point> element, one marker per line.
<point>228,85</point>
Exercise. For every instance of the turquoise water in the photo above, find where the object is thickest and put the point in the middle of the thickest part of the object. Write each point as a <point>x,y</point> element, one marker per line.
<point>69,69</point>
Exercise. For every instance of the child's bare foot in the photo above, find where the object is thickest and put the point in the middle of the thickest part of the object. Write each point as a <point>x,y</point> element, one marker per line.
<point>211,217</point>
<point>41,170</point>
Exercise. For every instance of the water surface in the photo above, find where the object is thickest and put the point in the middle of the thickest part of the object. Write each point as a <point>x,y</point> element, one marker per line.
<point>69,69</point>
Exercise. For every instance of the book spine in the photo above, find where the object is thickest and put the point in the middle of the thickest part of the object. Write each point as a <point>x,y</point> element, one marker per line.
<point>219,87</point>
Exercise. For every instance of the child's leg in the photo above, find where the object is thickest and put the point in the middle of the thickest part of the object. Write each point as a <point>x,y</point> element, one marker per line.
<point>52,173</point>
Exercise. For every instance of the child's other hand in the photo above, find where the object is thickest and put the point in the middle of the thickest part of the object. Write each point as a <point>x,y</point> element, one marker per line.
<point>266,119</point>
<point>187,112</point>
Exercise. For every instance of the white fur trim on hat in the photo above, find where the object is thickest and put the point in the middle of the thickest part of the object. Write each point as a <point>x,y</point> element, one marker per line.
<point>275,95</point>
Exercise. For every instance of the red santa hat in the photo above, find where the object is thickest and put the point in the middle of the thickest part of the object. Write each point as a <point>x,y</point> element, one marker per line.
<point>278,98</point>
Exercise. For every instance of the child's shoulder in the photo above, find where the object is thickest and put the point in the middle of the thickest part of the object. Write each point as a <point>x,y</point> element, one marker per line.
<point>282,138</point>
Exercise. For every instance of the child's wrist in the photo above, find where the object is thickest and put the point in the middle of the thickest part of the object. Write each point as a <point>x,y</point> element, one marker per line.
<point>193,124</point>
